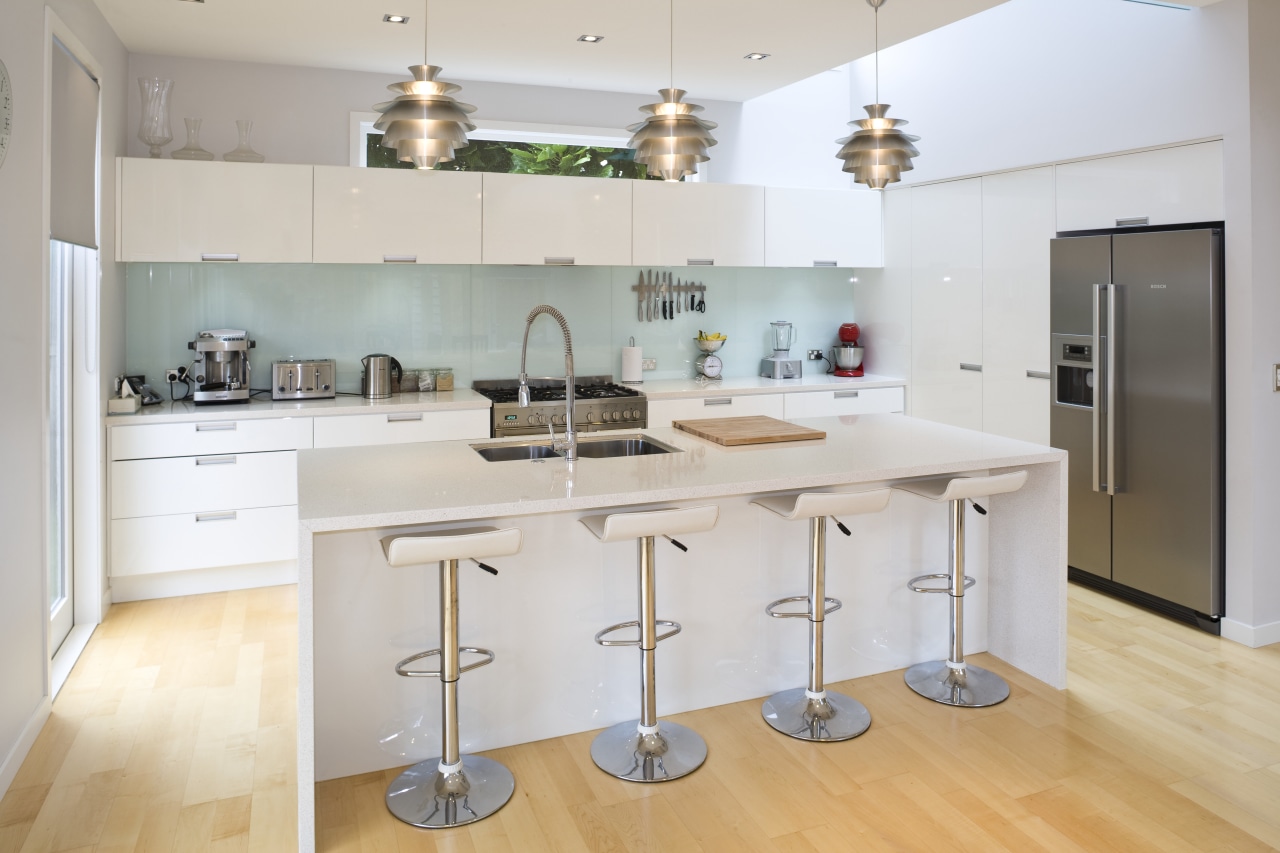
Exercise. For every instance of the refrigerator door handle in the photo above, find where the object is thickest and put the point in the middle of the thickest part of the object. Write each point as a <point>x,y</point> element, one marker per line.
<point>1099,383</point>
<point>1110,357</point>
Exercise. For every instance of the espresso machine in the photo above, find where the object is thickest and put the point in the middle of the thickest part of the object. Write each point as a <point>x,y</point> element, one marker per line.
<point>221,366</point>
<point>846,356</point>
<point>781,365</point>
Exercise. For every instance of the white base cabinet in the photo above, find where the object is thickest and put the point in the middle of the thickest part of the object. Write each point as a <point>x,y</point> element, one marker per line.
<point>401,428</point>
<point>173,543</point>
<point>844,401</point>
<point>663,412</point>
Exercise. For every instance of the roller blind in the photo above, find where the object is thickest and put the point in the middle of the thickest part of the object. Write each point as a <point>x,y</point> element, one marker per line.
<point>74,149</point>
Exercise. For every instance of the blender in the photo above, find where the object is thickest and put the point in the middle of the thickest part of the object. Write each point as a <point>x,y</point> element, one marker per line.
<point>780,365</point>
<point>847,355</point>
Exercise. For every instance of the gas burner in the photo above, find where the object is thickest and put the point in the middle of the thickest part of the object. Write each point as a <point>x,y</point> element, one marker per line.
<point>603,391</point>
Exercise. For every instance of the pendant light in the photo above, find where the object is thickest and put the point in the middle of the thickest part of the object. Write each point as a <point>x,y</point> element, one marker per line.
<point>878,153</point>
<point>424,124</point>
<point>672,141</point>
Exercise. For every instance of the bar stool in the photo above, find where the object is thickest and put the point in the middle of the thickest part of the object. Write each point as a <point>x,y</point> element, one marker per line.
<point>813,712</point>
<point>951,681</point>
<point>452,789</point>
<point>643,750</point>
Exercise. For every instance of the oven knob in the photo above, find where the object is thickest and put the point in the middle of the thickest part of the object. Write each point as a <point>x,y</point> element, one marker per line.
<point>591,417</point>
<point>324,387</point>
<point>281,389</point>
<point>532,419</point>
<point>558,419</point>
<point>628,415</point>
<point>612,416</point>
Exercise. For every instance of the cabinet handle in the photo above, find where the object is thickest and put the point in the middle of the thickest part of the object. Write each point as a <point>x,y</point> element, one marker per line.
<point>215,460</point>
<point>399,259</point>
<point>411,416</point>
<point>558,262</point>
<point>216,256</point>
<point>701,262</point>
<point>220,427</point>
<point>974,367</point>
<point>1037,374</point>
<point>1131,221</point>
<point>215,516</point>
<point>840,395</point>
<point>825,264</point>
<point>718,401</point>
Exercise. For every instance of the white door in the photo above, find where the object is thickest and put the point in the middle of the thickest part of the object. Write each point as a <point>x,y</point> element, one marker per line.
<point>66,262</point>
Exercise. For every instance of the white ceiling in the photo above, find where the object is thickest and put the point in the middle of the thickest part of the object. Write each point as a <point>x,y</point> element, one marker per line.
<point>522,41</point>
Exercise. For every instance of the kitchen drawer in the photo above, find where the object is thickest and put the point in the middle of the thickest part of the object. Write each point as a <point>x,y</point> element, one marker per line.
<point>843,401</point>
<point>173,543</point>
<point>663,412</point>
<point>401,428</point>
<point>203,483</point>
<point>202,438</point>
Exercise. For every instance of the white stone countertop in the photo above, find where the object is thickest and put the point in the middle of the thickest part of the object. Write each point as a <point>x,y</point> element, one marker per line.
<point>365,487</point>
<point>672,389</point>
<point>185,411</point>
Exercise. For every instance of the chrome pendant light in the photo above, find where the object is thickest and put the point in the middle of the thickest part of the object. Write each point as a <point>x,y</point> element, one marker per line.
<point>878,153</point>
<point>672,141</point>
<point>424,124</point>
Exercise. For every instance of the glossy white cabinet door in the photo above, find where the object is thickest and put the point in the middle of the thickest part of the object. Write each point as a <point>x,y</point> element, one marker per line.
<point>663,412</point>
<point>374,216</point>
<point>811,228</point>
<point>843,401</point>
<point>185,211</point>
<point>401,428</point>
<point>1017,225</point>
<point>150,441</point>
<point>677,224</point>
<point>540,219</point>
<point>171,543</point>
<point>1166,186</point>
<point>141,487</point>
<point>946,303</point>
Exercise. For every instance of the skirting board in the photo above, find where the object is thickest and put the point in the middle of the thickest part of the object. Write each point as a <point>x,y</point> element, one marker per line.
<point>199,581</point>
<point>1249,635</point>
<point>13,761</point>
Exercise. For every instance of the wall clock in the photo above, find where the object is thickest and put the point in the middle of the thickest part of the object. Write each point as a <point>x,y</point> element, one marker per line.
<point>6,111</point>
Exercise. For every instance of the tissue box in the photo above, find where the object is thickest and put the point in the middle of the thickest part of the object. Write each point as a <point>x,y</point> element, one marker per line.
<point>122,405</point>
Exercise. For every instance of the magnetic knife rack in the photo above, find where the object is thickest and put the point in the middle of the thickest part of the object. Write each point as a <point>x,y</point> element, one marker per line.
<point>661,296</point>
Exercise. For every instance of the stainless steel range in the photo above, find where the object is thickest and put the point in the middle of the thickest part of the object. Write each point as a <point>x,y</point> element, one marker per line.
<point>600,403</point>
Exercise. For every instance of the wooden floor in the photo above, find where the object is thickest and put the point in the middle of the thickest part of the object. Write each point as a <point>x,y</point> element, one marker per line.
<point>176,731</point>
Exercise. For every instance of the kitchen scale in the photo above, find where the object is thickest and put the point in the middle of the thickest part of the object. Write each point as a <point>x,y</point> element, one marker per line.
<point>709,365</point>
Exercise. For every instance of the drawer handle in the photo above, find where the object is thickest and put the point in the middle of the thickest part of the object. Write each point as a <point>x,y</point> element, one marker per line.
<point>1037,374</point>
<point>558,262</point>
<point>840,395</point>
<point>718,401</point>
<point>974,367</point>
<point>701,262</point>
<point>220,427</point>
<point>216,460</point>
<point>217,256</point>
<point>825,264</point>
<point>399,259</point>
<point>216,516</point>
<point>411,416</point>
<point>1131,221</point>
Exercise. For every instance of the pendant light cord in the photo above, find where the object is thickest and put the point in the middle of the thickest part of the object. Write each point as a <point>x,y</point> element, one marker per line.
<point>877,17</point>
<point>671,44</point>
<point>426,47</point>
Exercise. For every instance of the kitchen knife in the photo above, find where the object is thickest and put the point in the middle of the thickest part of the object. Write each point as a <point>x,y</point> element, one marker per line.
<point>663,290</point>
<point>679,297</point>
<point>648,300</point>
<point>640,298</point>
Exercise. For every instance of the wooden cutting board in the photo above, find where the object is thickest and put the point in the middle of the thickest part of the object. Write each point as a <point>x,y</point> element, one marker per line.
<point>756,429</point>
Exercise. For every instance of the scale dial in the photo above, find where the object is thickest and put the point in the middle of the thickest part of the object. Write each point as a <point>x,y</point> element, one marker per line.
<point>6,111</point>
<point>709,365</point>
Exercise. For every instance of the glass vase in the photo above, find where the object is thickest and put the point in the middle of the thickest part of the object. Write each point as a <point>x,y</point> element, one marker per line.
<point>192,150</point>
<point>154,129</point>
<point>243,152</point>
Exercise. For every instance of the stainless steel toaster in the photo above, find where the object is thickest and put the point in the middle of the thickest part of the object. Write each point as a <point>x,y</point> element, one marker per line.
<point>302,378</point>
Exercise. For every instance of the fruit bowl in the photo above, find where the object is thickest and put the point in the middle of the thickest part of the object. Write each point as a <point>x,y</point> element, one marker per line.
<point>710,346</point>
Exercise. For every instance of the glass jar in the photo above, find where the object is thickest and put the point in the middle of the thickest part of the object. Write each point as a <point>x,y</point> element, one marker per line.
<point>408,381</point>
<point>426,380</point>
<point>444,378</point>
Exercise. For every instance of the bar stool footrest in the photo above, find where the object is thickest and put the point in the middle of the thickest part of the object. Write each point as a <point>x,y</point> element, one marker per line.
<point>402,666</point>
<point>914,583</point>
<point>831,605</point>
<point>675,627</point>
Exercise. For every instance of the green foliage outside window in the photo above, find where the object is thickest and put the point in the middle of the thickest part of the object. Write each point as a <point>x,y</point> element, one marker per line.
<point>523,158</point>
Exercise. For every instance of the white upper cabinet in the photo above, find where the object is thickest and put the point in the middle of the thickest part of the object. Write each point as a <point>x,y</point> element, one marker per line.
<point>179,211</point>
<point>374,216</point>
<point>1017,225</point>
<point>946,303</point>
<point>813,228</point>
<point>675,224</point>
<point>1164,187</point>
<point>541,219</point>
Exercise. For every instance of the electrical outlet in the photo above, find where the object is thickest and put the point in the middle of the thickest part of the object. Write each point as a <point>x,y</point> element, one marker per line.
<point>171,374</point>
<point>815,354</point>
<point>1275,377</point>
<point>648,364</point>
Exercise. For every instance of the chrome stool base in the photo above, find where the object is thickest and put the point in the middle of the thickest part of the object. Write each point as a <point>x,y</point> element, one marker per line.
<point>972,687</point>
<point>425,797</point>
<point>831,718</point>
<point>671,752</point>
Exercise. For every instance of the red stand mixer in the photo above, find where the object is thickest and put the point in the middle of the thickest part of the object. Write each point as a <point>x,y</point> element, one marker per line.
<point>847,355</point>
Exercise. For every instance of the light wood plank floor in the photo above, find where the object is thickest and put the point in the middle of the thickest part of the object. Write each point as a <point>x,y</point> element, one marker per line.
<point>175,732</point>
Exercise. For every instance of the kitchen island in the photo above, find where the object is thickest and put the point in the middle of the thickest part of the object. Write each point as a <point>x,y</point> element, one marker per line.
<point>357,616</point>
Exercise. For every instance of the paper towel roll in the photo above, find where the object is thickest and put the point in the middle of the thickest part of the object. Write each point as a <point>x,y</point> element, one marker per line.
<point>632,370</point>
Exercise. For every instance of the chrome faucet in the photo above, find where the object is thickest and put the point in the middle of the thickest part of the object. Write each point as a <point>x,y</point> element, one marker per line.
<point>569,446</point>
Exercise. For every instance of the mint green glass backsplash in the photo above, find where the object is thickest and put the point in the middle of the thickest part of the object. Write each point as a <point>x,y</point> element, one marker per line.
<point>470,318</point>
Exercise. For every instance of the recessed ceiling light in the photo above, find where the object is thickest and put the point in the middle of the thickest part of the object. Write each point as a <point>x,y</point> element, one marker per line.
<point>192,1</point>
<point>756,56</point>
<point>386,19</point>
<point>591,39</point>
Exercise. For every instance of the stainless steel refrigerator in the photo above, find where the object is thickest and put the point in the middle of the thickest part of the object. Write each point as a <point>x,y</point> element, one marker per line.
<point>1137,336</point>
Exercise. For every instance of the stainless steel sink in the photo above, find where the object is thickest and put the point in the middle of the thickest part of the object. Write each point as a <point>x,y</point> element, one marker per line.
<point>604,447</point>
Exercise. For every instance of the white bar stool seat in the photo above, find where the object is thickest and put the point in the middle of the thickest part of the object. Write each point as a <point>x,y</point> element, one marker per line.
<point>451,789</point>
<point>813,712</point>
<point>644,750</point>
<point>952,681</point>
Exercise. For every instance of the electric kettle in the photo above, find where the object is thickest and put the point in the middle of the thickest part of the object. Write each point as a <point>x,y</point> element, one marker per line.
<point>375,381</point>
